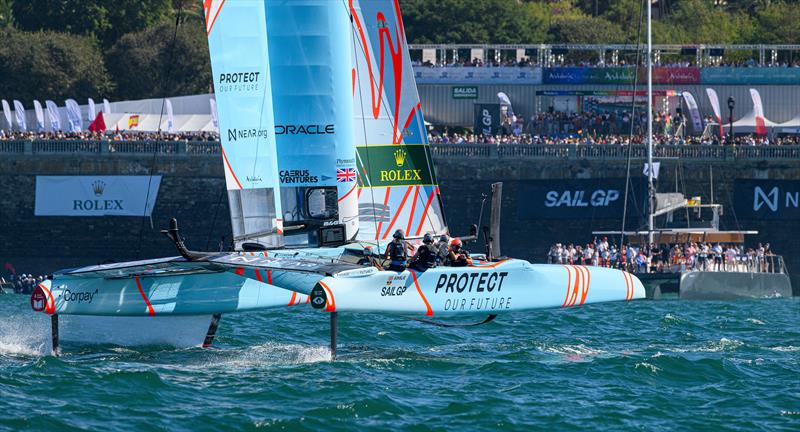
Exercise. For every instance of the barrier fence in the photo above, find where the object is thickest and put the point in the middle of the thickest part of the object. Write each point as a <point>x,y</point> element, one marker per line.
<point>482,151</point>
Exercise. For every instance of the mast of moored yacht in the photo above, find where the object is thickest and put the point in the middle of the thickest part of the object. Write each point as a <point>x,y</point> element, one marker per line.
<point>650,188</point>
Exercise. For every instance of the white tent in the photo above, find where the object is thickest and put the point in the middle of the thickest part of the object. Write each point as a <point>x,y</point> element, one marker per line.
<point>139,122</point>
<point>791,127</point>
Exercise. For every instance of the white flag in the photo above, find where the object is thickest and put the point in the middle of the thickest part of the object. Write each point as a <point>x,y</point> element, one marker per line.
<point>53,115</point>
<point>39,115</point>
<point>73,115</point>
<point>758,110</point>
<point>656,168</point>
<point>712,96</point>
<point>7,113</point>
<point>19,112</point>
<point>106,107</point>
<point>170,119</point>
<point>92,113</point>
<point>214,118</point>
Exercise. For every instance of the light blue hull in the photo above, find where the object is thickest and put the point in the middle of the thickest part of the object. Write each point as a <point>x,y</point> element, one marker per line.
<point>490,288</point>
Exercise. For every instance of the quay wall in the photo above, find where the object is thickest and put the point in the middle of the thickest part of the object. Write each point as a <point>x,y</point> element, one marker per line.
<point>192,190</point>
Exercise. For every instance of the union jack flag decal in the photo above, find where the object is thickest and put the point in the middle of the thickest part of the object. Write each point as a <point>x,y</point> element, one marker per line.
<point>345,175</point>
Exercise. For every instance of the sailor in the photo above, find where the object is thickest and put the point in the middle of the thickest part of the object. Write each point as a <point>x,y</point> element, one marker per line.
<point>458,257</point>
<point>396,252</point>
<point>442,249</point>
<point>366,259</point>
<point>425,257</point>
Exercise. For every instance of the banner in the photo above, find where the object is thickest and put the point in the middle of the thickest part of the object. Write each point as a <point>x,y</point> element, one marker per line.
<point>106,106</point>
<point>478,75</point>
<point>487,119</point>
<point>712,97</point>
<point>396,165</point>
<point>620,75</point>
<point>19,113</point>
<point>758,112</point>
<point>7,114</point>
<point>672,75</point>
<point>53,115</point>
<point>694,112</point>
<point>214,118</point>
<point>37,107</point>
<point>749,75</point>
<point>580,199</point>
<point>465,92</point>
<point>170,117</point>
<point>92,114</point>
<point>96,195</point>
<point>767,199</point>
<point>656,169</point>
<point>73,115</point>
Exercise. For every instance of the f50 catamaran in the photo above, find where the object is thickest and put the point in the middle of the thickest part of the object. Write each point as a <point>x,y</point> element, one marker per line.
<point>325,152</point>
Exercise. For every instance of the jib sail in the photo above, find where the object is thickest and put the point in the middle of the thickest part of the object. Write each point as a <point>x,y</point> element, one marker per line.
<point>397,181</point>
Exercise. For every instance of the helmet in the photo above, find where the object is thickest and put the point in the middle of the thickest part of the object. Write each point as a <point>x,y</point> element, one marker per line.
<point>427,238</point>
<point>455,242</point>
<point>443,238</point>
<point>399,234</point>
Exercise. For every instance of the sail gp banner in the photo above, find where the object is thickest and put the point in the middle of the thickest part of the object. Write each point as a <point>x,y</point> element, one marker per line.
<point>580,199</point>
<point>96,195</point>
<point>767,199</point>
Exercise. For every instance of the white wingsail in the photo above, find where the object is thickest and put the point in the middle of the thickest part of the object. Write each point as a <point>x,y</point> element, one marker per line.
<point>397,182</point>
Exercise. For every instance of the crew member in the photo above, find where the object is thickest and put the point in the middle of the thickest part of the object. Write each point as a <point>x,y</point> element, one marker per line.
<point>366,259</point>
<point>425,257</point>
<point>458,257</point>
<point>442,249</point>
<point>396,252</point>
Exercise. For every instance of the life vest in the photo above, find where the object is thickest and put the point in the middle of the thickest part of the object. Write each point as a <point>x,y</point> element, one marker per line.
<point>397,253</point>
<point>426,258</point>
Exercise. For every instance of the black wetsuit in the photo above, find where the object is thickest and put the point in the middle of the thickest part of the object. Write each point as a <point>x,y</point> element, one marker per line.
<point>426,258</point>
<point>398,256</point>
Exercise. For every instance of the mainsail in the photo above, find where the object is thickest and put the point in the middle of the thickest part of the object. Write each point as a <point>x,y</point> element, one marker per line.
<point>309,68</point>
<point>397,182</point>
<point>240,64</point>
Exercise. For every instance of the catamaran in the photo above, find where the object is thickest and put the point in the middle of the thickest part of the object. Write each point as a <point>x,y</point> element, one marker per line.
<point>325,155</point>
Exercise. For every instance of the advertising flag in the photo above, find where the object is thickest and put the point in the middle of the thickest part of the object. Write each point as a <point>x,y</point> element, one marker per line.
<point>53,115</point>
<point>19,112</point>
<point>106,106</point>
<point>170,118</point>
<point>214,118</point>
<point>39,115</point>
<point>758,111</point>
<point>656,169</point>
<point>712,96</point>
<point>92,113</point>
<point>73,115</point>
<point>694,112</point>
<point>7,113</point>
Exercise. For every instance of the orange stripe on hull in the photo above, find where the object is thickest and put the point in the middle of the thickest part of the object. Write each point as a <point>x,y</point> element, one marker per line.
<point>150,310</point>
<point>429,311</point>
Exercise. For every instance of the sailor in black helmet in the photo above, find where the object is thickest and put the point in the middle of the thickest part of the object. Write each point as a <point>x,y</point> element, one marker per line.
<point>425,258</point>
<point>396,252</point>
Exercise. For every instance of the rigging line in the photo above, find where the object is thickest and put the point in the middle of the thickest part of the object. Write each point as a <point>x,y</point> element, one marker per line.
<point>363,123</point>
<point>167,76</point>
<point>633,119</point>
<point>386,109</point>
<point>214,220</point>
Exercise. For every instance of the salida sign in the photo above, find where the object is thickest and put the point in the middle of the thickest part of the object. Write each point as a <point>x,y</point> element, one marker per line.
<point>767,199</point>
<point>96,195</point>
<point>577,199</point>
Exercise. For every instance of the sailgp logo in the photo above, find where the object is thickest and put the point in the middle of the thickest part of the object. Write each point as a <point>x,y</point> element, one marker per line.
<point>770,199</point>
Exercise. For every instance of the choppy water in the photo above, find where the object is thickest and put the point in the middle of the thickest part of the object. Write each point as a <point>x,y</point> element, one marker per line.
<point>669,365</point>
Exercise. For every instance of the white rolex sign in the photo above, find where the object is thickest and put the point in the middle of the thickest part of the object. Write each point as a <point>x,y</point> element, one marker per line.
<point>96,195</point>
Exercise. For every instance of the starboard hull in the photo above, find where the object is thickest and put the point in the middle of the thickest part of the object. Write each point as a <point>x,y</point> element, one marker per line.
<point>488,288</point>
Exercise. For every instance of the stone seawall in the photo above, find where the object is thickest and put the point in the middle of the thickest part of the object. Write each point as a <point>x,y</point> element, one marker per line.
<point>192,190</point>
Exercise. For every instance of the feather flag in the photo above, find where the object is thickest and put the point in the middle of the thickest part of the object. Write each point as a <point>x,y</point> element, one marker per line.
<point>53,115</point>
<point>7,113</point>
<point>19,112</point>
<point>712,97</point>
<point>37,107</point>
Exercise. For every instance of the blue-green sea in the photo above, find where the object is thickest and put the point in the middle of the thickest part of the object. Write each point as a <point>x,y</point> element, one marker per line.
<point>646,365</point>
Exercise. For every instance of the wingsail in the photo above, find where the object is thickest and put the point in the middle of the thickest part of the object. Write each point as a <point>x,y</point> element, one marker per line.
<point>397,182</point>
<point>240,67</point>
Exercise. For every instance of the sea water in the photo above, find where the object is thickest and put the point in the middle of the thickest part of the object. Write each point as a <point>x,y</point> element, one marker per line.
<point>648,365</point>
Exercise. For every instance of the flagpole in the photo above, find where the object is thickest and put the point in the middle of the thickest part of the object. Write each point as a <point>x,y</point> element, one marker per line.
<point>650,188</point>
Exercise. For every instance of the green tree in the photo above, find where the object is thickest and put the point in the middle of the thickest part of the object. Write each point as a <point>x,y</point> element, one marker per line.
<point>48,65</point>
<point>6,14</point>
<point>778,24</point>
<point>586,30</point>
<point>145,64</point>
<point>105,19</point>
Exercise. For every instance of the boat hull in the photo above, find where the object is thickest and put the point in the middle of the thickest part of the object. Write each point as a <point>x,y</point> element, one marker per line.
<point>185,331</point>
<point>488,288</point>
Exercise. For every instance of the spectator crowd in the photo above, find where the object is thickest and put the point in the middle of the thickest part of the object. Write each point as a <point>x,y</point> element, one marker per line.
<point>22,283</point>
<point>689,256</point>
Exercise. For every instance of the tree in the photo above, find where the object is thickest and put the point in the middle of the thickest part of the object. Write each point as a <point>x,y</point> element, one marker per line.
<point>145,64</point>
<point>587,31</point>
<point>106,20</point>
<point>6,14</point>
<point>778,24</point>
<point>48,65</point>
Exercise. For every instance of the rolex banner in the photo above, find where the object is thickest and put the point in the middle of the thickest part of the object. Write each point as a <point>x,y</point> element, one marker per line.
<point>395,165</point>
<point>96,195</point>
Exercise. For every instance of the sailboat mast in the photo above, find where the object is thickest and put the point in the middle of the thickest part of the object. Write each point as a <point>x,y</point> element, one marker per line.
<point>650,188</point>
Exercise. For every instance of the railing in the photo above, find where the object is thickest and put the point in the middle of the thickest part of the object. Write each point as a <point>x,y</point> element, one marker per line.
<point>455,151</point>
